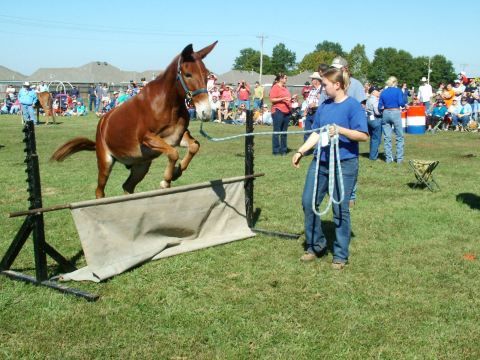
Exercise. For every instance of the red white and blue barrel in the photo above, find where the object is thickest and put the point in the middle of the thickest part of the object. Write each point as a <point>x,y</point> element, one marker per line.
<point>416,120</point>
<point>404,121</point>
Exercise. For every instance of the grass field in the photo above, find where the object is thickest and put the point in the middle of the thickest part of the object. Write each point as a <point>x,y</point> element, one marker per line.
<point>408,292</point>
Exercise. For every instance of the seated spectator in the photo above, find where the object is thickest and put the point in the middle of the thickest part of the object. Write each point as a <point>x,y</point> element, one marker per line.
<point>15,109</point>
<point>113,101</point>
<point>452,113</point>
<point>241,115</point>
<point>3,108</point>
<point>71,109</point>
<point>266,116</point>
<point>463,116</point>
<point>438,114</point>
<point>56,106</point>
<point>105,107</point>
<point>81,110</point>
<point>215,106</point>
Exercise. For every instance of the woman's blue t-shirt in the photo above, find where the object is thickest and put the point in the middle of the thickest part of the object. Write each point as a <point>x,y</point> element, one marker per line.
<point>348,114</point>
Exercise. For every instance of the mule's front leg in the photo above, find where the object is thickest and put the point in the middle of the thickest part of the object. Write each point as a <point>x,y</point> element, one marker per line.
<point>157,144</point>
<point>193,146</point>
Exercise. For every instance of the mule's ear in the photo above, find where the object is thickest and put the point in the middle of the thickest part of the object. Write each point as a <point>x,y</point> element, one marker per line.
<point>187,53</point>
<point>206,50</point>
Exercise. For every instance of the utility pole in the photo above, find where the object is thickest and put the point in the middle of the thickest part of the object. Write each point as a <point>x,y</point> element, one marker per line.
<point>429,70</point>
<point>262,37</point>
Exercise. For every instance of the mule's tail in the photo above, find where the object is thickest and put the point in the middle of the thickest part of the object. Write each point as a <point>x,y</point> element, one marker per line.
<point>71,147</point>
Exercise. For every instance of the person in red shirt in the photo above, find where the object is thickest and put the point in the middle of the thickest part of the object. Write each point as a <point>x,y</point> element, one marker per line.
<point>306,90</point>
<point>243,94</point>
<point>281,108</point>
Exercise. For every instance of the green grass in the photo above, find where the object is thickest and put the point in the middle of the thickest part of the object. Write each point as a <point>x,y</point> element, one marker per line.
<point>408,293</point>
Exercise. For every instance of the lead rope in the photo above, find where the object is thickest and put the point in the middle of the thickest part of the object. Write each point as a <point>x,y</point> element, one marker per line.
<point>334,147</point>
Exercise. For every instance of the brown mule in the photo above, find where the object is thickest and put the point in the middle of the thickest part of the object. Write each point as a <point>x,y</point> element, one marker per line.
<point>46,102</point>
<point>150,124</point>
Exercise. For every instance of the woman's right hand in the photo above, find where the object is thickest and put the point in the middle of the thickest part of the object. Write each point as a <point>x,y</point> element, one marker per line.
<point>296,159</point>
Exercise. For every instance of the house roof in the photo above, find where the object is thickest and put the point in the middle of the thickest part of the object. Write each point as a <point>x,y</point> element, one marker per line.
<point>100,71</point>
<point>95,71</point>
<point>7,74</point>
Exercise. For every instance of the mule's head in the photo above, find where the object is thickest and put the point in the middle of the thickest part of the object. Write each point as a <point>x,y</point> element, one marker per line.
<point>192,75</point>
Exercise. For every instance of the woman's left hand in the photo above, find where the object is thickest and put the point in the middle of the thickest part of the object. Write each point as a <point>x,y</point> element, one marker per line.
<point>331,130</point>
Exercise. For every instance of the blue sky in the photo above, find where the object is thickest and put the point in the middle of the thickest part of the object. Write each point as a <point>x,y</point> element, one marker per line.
<point>145,35</point>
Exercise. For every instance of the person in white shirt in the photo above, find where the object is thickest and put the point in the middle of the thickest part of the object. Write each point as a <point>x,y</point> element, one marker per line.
<point>459,89</point>
<point>211,82</point>
<point>42,87</point>
<point>266,116</point>
<point>215,106</point>
<point>425,94</point>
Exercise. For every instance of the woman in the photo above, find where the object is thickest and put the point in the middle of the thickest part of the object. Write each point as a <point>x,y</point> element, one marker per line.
<point>349,117</point>
<point>448,95</point>
<point>226,97</point>
<point>281,108</point>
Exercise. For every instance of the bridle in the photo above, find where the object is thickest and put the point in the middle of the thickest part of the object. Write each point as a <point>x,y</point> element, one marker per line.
<point>188,93</point>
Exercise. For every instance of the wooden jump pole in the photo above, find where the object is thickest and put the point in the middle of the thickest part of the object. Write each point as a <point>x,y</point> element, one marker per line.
<point>142,195</point>
<point>249,187</point>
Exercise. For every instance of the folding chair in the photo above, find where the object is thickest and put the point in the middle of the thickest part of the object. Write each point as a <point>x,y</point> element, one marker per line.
<point>423,170</point>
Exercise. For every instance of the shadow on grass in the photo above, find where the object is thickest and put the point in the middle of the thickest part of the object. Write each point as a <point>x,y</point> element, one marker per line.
<point>367,156</point>
<point>328,228</point>
<point>53,268</point>
<point>414,186</point>
<point>470,199</point>
<point>73,260</point>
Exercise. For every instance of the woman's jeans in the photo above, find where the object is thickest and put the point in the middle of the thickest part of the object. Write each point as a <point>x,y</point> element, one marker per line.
<point>375,131</point>
<point>280,123</point>
<point>315,241</point>
<point>392,118</point>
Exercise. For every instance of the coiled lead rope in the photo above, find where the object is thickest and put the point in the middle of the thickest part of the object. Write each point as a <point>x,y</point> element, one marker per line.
<point>334,147</point>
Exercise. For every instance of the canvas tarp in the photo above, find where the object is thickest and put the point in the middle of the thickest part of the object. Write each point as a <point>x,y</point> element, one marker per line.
<point>118,236</point>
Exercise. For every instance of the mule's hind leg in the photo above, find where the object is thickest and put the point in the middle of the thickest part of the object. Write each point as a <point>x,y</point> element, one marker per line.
<point>105,163</point>
<point>193,146</point>
<point>137,173</point>
<point>156,144</point>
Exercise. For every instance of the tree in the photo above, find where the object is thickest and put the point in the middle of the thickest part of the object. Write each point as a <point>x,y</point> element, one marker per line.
<point>392,62</point>
<point>249,60</point>
<point>442,70</point>
<point>358,63</point>
<point>311,60</point>
<point>283,60</point>
<point>331,47</point>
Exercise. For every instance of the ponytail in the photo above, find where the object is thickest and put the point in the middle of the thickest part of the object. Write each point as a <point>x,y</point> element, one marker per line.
<point>338,75</point>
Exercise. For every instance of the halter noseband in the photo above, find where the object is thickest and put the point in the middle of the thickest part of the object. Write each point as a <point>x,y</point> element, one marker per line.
<point>188,94</point>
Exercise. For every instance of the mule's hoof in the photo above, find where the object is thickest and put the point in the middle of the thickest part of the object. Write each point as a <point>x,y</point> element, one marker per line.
<point>164,184</point>
<point>177,172</point>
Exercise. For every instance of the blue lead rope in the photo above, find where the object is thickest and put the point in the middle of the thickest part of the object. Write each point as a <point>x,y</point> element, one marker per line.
<point>334,147</point>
